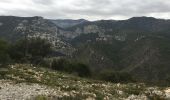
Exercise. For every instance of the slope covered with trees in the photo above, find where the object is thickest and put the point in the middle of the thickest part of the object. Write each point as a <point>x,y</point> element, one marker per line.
<point>138,47</point>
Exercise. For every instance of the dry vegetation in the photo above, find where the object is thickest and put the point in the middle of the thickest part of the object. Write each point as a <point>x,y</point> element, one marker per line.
<point>59,85</point>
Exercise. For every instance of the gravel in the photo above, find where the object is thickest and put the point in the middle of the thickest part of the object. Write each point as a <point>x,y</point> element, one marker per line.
<point>10,90</point>
<point>23,91</point>
<point>167,93</point>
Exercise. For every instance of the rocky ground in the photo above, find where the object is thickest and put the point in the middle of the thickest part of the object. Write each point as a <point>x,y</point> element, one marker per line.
<point>22,91</point>
<point>22,82</point>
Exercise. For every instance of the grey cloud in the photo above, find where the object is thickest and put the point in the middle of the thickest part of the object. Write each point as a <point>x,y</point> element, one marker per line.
<point>124,8</point>
<point>44,2</point>
<point>92,9</point>
<point>5,1</point>
<point>29,13</point>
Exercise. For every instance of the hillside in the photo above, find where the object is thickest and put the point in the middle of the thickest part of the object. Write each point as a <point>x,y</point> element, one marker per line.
<point>21,81</point>
<point>14,28</point>
<point>139,45</point>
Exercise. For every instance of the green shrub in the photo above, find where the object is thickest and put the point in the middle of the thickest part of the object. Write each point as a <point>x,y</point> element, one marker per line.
<point>30,50</point>
<point>83,70</point>
<point>64,65</point>
<point>59,64</point>
<point>41,97</point>
<point>4,55</point>
<point>112,76</point>
<point>45,62</point>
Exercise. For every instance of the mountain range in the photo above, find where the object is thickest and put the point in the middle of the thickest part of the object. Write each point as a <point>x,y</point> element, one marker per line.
<point>139,45</point>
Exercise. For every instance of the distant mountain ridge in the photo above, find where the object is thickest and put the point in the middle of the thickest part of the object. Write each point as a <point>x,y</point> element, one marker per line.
<point>65,23</point>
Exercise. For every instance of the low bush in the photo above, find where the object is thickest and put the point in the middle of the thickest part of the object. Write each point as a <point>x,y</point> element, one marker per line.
<point>30,50</point>
<point>4,56</point>
<point>64,65</point>
<point>115,77</point>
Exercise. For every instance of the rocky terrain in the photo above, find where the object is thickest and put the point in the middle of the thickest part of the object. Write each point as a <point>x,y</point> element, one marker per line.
<point>22,91</point>
<point>24,82</point>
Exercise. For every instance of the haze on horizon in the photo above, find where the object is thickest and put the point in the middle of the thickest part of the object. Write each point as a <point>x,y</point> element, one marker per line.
<point>86,9</point>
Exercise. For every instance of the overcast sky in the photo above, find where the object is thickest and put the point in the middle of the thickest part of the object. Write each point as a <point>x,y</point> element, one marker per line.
<point>87,9</point>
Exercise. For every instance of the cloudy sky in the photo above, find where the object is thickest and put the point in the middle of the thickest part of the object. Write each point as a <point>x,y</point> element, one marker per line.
<point>87,9</point>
